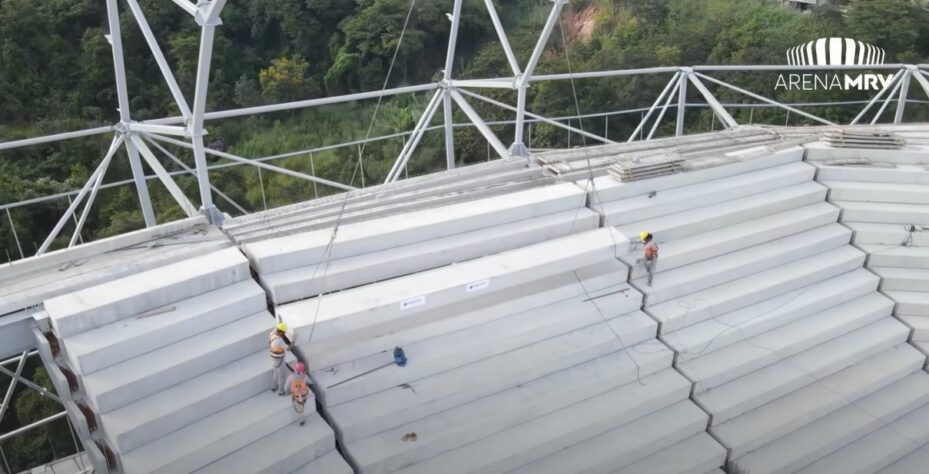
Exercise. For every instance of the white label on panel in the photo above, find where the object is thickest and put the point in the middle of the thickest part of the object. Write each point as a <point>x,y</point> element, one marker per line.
<point>412,302</point>
<point>478,286</point>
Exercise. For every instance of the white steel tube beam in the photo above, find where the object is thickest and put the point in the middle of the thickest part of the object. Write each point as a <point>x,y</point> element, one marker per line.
<point>543,38</point>
<point>878,96</point>
<point>523,79</point>
<point>449,130</point>
<point>410,146</point>
<point>302,104</point>
<point>718,109</point>
<point>122,95</point>
<point>520,118</point>
<point>481,126</point>
<point>452,40</point>
<point>31,426</point>
<point>596,74</point>
<point>483,83</point>
<point>55,138</point>
<point>12,386</point>
<point>651,110</point>
<point>205,56</point>
<point>922,81</point>
<point>418,131</point>
<point>446,99</point>
<point>212,11</point>
<point>119,66</point>
<point>135,164</point>
<point>189,170</point>
<point>664,108</point>
<point>86,212</point>
<point>538,117</point>
<point>887,101</point>
<point>186,6</point>
<point>681,103</point>
<point>258,164</point>
<point>159,58</point>
<point>42,390</point>
<point>19,246</point>
<point>765,99</point>
<point>80,196</point>
<point>16,358</point>
<point>160,129</point>
<point>501,34</point>
<point>901,101</point>
<point>785,67</point>
<point>166,179</point>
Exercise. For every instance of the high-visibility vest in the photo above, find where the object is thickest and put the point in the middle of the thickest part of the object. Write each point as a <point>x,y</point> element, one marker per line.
<point>277,352</point>
<point>300,389</point>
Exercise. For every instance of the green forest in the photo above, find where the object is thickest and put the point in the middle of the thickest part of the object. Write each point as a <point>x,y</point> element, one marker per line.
<point>56,76</point>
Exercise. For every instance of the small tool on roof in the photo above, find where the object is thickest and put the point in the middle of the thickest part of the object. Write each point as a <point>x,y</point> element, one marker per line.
<point>399,359</point>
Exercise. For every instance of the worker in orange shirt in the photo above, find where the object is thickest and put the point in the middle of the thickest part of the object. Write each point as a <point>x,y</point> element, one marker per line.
<point>298,385</point>
<point>650,251</point>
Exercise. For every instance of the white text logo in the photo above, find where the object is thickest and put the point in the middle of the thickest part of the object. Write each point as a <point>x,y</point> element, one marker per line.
<point>834,52</point>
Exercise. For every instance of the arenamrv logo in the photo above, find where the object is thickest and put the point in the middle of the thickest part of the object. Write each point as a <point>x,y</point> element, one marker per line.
<point>834,52</point>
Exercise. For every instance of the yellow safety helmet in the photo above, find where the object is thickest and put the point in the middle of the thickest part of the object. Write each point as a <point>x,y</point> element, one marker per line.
<point>282,327</point>
<point>643,235</point>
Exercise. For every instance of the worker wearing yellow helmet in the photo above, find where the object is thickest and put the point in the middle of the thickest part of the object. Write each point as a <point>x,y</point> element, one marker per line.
<point>278,345</point>
<point>650,251</point>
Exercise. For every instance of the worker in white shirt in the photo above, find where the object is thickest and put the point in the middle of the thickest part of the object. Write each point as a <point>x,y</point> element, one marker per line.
<point>278,345</point>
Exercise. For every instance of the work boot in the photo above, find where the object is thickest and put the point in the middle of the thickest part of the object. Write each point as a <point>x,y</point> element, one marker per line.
<point>273,389</point>
<point>302,423</point>
<point>281,394</point>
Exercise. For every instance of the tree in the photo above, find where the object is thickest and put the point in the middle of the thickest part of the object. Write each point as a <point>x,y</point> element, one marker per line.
<point>286,80</point>
<point>43,444</point>
<point>895,25</point>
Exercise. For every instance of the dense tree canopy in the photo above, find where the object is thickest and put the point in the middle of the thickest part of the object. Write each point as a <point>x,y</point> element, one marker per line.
<point>56,75</point>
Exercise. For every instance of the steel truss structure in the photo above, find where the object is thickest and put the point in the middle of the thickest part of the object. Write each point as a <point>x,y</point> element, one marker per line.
<point>16,377</point>
<point>141,139</point>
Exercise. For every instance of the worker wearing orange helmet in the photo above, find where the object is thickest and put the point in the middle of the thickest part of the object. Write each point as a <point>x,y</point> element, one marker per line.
<point>278,345</point>
<point>298,385</point>
<point>650,251</point>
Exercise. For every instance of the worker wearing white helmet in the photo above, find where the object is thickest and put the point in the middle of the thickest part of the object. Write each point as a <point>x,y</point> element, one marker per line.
<point>650,254</point>
<point>278,345</point>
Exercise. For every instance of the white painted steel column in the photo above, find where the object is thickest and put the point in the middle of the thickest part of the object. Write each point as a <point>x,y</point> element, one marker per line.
<point>681,101</point>
<point>208,17</point>
<point>522,81</point>
<point>122,94</point>
<point>447,78</point>
<point>901,100</point>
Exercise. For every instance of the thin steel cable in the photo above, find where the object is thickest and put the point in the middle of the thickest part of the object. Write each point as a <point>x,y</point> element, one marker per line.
<point>327,252</point>
<point>577,106</point>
